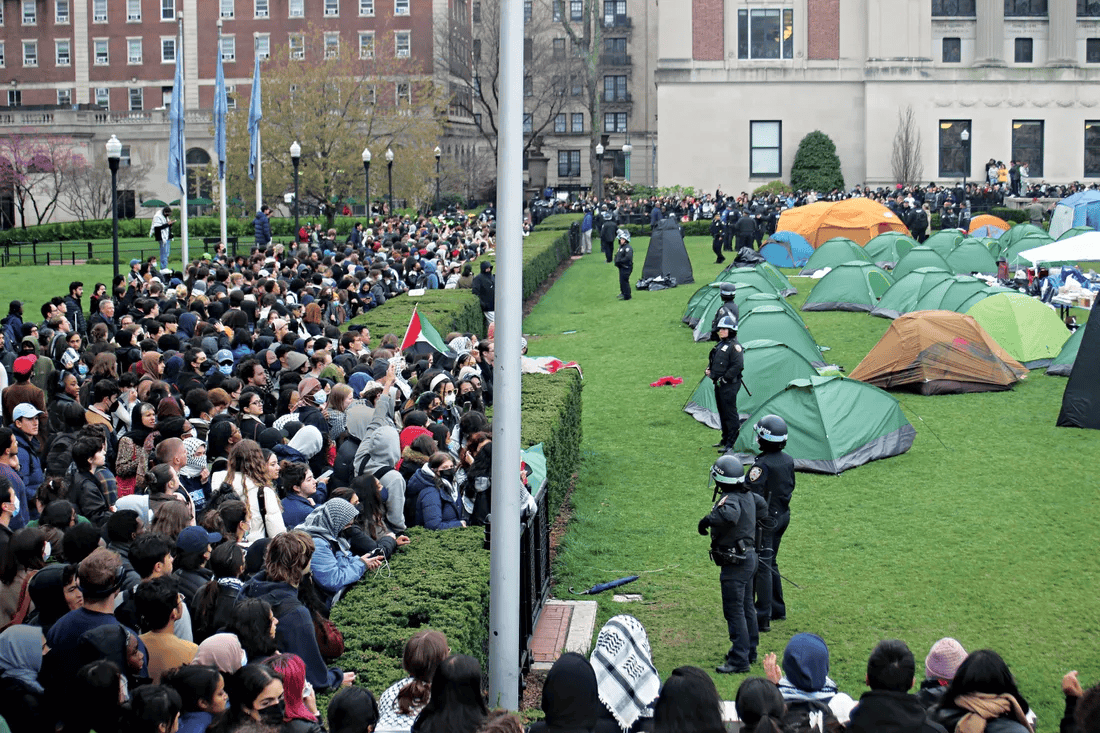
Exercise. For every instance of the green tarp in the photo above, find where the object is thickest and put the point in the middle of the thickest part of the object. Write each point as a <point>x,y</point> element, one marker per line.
<point>835,424</point>
<point>906,292</point>
<point>919,257</point>
<point>775,324</point>
<point>832,253</point>
<point>1030,331</point>
<point>851,286</point>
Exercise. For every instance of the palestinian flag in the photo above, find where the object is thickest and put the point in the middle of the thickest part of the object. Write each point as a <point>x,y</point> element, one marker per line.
<point>422,338</point>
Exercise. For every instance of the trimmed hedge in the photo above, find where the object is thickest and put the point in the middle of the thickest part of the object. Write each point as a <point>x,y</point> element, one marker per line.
<point>558,221</point>
<point>446,310</point>
<point>698,228</point>
<point>542,253</point>
<point>551,407</point>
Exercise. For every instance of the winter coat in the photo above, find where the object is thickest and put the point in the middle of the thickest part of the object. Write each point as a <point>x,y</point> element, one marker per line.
<point>261,225</point>
<point>87,496</point>
<point>882,711</point>
<point>436,509</point>
<point>191,581</point>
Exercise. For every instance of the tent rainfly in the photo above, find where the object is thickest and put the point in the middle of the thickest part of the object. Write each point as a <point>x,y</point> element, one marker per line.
<point>919,257</point>
<point>1062,365</point>
<point>904,294</point>
<point>886,249</point>
<point>858,219</point>
<point>705,302</point>
<point>1081,400</point>
<point>772,323</point>
<point>667,254</point>
<point>832,253</point>
<point>787,249</point>
<point>1027,329</point>
<point>851,286</point>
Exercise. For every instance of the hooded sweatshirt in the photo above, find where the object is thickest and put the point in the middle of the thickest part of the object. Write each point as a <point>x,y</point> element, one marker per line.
<point>343,470</point>
<point>333,566</point>
<point>883,711</point>
<point>570,699</point>
<point>380,451</point>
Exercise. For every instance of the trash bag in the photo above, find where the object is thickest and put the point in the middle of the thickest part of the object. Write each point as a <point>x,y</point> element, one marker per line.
<point>658,282</point>
<point>748,257</point>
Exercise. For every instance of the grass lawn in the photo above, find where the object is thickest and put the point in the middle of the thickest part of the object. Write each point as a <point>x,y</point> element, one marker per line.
<point>984,530</point>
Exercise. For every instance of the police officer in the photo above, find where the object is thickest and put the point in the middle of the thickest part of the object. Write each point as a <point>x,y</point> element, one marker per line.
<point>732,525</point>
<point>716,237</point>
<point>727,361</point>
<point>608,228</point>
<point>772,477</point>
<point>727,292</point>
<point>624,260</point>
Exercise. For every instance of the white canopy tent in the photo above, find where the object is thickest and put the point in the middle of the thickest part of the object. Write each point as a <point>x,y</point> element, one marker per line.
<point>1082,248</point>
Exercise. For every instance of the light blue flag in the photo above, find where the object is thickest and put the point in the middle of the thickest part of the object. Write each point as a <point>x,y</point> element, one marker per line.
<point>221,108</point>
<point>255,114</point>
<point>177,145</point>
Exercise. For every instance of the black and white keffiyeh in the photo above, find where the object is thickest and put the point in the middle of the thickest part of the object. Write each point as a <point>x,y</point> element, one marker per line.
<point>627,680</point>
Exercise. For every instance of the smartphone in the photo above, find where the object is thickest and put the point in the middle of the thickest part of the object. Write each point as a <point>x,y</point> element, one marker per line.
<point>324,476</point>
<point>307,690</point>
<point>376,552</point>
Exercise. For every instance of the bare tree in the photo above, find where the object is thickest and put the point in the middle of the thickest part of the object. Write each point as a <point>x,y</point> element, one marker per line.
<point>86,193</point>
<point>585,35</point>
<point>905,160</point>
<point>36,169</point>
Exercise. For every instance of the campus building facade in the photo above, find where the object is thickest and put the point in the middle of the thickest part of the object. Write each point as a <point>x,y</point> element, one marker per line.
<point>740,82</point>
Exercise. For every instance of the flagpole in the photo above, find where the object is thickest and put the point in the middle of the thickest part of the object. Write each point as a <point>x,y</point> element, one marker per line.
<point>260,171</point>
<point>183,188</point>
<point>221,168</point>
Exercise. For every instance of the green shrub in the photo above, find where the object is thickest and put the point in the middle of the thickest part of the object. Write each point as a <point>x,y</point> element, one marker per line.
<point>551,406</point>
<point>816,165</point>
<point>772,188</point>
<point>558,221</point>
<point>1019,216</point>
<point>699,228</point>
<point>446,310</point>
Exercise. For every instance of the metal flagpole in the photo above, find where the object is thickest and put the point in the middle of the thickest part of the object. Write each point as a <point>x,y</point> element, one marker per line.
<point>219,107</point>
<point>259,171</point>
<point>505,548</point>
<point>183,188</point>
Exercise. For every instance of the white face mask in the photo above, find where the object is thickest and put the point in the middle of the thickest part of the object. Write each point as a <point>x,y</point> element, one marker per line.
<point>449,400</point>
<point>47,550</point>
<point>15,503</point>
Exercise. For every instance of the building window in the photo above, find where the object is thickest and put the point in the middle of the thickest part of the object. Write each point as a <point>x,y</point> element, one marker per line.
<point>559,48</point>
<point>528,10</point>
<point>102,97</point>
<point>261,8</point>
<point>15,98</point>
<point>133,11</point>
<point>952,50</point>
<point>1088,8</point>
<point>576,85</point>
<point>1027,8</point>
<point>1092,50</point>
<point>576,122</point>
<point>263,45</point>
<point>953,8</point>
<point>133,50</point>
<point>296,8</point>
<point>30,12</point>
<point>100,52</point>
<point>765,33</point>
<point>30,53</point>
<point>528,49</point>
<point>614,89</point>
<point>168,50</point>
<point>229,48</point>
<point>332,8</point>
<point>558,10</point>
<point>559,122</point>
<point>366,45</point>
<point>404,92</point>
<point>332,45</point>
<point>63,52</point>
<point>400,7</point>
<point>3,58</point>
<point>614,122</point>
<point>614,13</point>
<point>477,49</point>
<point>1025,50</point>
<point>297,46</point>
<point>137,100</point>
<point>124,159</point>
<point>167,9</point>
<point>576,9</point>
<point>569,164</point>
<point>766,148</point>
<point>228,8</point>
<point>528,123</point>
<point>477,119</point>
<point>370,95</point>
<point>366,8</point>
<point>401,44</point>
<point>528,86</point>
<point>99,11</point>
<point>954,155</point>
<point>1092,149</point>
<point>476,12</point>
<point>65,97</point>
<point>60,15</point>
<point>1027,145</point>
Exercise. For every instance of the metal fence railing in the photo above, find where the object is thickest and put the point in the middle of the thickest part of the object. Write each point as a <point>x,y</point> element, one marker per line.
<point>79,253</point>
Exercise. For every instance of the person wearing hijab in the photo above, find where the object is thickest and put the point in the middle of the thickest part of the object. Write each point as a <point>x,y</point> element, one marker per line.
<point>309,406</point>
<point>333,565</point>
<point>195,476</point>
<point>805,682</point>
<point>21,696</point>
<point>310,443</point>
<point>570,699</point>
<point>223,651</point>
<point>627,698</point>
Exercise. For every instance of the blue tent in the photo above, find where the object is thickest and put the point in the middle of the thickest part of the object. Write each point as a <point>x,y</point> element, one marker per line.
<point>787,249</point>
<point>1080,209</point>
<point>988,231</point>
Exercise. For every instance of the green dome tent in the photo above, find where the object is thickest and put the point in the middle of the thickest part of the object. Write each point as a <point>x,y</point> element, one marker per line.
<point>957,293</point>
<point>1031,241</point>
<point>851,286</point>
<point>995,246</point>
<point>746,301</point>
<point>765,269</point>
<point>707,298</point>
<point>832,253</point>
<point>769,366</point>
<point>835,424</point>
<point>1031,332</point>
<point>888,248</point>
<point>971,256</point>
<point>760,300</point>
<point>1019,231</point>
<point>1074,232</point>
<point>772,323</point>
<point>943,241</point>
<point>919,257</point>
<point>1061,365</point>
<point>903,295</point>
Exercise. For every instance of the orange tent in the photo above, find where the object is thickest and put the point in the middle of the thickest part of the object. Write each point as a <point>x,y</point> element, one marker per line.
<point>859,220</point>
<point>939,352</point>
<point>987,220</point>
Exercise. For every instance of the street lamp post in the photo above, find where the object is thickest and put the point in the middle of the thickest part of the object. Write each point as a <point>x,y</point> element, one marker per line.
<point>389,171</point>
<point>295,156</point>
<point>964,136</point>
<point>599,171</point>
<point>114,153</point>
<point>627,148</point>
<point>438,153</point>
<point>366,177</point>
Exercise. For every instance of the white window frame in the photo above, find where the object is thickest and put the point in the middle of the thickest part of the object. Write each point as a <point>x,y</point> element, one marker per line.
<point>332,8</point>
<point>65,96</point>
<point>560,124</point>
<point>366,8</point>
<point>31,17</point>
<point>300,53</point>
<point>131,58</point>
<point>15,97</point>
<point>227,9</point>
<point>1,14</point>
<point>756,10</point>
<point>99,11</point>
<point>3,56</point>
<point>332,45</point>
<point>261,8</point>
<point>573,126</point>
<point>265,38</point>
<point>366,44</point>
<point>170,6</point>
<point>130,99</point>
<point>59,18</point>
<point>133,11</point>
<point>164,41</point>
<point>231,96</point>
<point>228,48</point>
<point>32,46</point>
<point>106,52</point>
<point>397,50</point>
<point>67,45</point>
<point>105,94</point>
<point>296,9</point>
<point>401,7</point>
<point>763,128</point>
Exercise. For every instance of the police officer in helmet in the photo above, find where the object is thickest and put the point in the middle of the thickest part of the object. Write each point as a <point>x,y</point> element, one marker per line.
<point>732,526</point>
<point>727,292</point>
<point>772,477</point>
<point>727,361</point>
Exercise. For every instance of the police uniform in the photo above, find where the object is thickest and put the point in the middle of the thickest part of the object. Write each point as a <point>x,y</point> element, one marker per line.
<point>772,477</point>
<point>726,309</point>
<point>716,237</point>
<point>727,361</point>
<point>732,524</point>
<point>624,260</point>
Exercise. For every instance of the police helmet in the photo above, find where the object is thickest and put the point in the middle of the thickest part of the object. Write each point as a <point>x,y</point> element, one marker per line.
<point>728,470</point>
<point>727,291</point>
<point>727,321</point>
<point>771,428</point>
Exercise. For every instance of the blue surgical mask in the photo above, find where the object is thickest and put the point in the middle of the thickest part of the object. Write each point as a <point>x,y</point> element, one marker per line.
<point>226,369</point>
<point>82,370</point>
<point>15,501</point>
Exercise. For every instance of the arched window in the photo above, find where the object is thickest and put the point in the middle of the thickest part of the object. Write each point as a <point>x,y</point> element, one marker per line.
<point>199,181</point>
